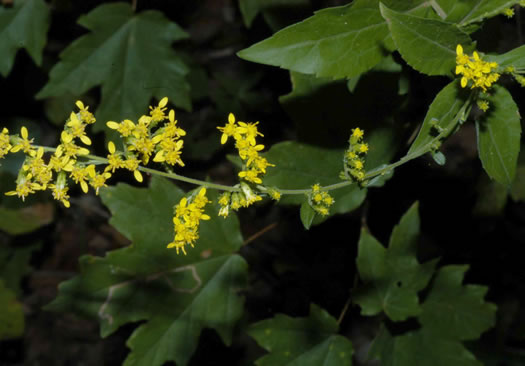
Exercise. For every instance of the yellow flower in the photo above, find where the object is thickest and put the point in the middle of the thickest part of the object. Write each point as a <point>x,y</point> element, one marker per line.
<point>157,113</point>
<point>77,129</point>
<point>132,164</point>
<point>23,143</point>
<point>86,115</point>
<point>24,187</point>
<point>229,129</point>
<point>5,144</point>
<point>125,128</point>
<point>483,105</point>
<point>114,160</point>
<point>474,68</point>
<point>188,214</point>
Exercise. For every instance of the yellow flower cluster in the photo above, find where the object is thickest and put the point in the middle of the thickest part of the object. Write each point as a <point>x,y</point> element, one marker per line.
<point>37,175</point>
<point>244,134</point>
<point>353,161</point>
<point>320,200</point>
<point>188,214</point>
<point>254,165</point>
<point>474,68</point>
<point>140,142</point>
<point>69,158</point>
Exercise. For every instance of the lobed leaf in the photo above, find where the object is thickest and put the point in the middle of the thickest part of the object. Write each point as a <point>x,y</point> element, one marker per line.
<point>428,45</point>
<point>129,55</point>
<point>392,276</point>
<point>499,131</point>
<point>455,311</point>
<point>23,26</point>
<point>309,341</point>
<point>176,295</point>
<point>451,313</point>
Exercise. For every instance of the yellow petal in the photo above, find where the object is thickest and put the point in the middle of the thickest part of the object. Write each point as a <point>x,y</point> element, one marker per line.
<point>459,50</point>
<point>79,104</point>
<point>86,140</point>
<point>66,137</point>
<point>84,186</point>
<point>138,176</point>
<point>172,115</point>
<point>159,157</point>
<point>23,132</point>
<point>163,102</point>
<point>113,125</point>
<point>231,118</point>
<point>111,147</point>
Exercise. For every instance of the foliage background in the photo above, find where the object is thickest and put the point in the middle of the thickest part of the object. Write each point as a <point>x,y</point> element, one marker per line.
<point>465,217</point>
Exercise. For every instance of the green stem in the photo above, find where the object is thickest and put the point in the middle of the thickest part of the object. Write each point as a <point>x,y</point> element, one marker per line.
<point>465,109</point>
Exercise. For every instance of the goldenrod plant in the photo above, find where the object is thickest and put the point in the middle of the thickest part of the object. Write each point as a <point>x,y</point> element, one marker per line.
<point>290,241</point>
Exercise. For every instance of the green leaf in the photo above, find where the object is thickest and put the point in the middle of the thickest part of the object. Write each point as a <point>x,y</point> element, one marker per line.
<point>11,314</point>
<point>451,313</point>
<point>23,26</point>
<point>455,311</point>
<point>14,264</point>
<point>420,348</point>
<point>443,111</point>
<point>339,42</point>
<point>176,295</point>
<point>309,341</point>
<point>299,166</point>
<point>307,214</point>
<point>428,45</point>
<point>499,132</point>
<point>392,276</point>
<point>129,55</point>
<point>26,219</point>
<point>470,11</point>
<point>515,57</point>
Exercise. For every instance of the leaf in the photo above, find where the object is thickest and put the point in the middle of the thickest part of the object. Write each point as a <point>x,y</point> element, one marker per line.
<point>428,45</point>
<point>470,11</point>
<point>129,55</point>
<point>299,166</point>
<point>23,26</point>
<point>455,311</point>
<point>420,348</point>
<point>14,264</point>
<point>309,341</point>
<point>339,42</point>
<point>392,276</point>
<point>499,132</point>
<point>176,295</point>
<point>451,313</point>
<point>443,111</point>
<point>11,314</point>
<point>26,219</point>
<point>515,57</point>
<point>307,214</point>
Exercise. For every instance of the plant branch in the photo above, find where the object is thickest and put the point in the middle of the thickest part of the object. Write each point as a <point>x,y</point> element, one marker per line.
<point>369,175</point>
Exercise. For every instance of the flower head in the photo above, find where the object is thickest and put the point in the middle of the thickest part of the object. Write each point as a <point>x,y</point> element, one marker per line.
<point>473,68</point>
